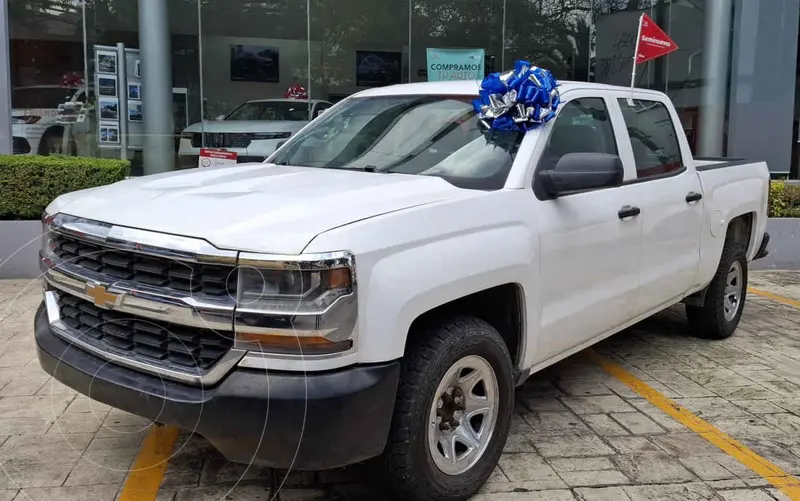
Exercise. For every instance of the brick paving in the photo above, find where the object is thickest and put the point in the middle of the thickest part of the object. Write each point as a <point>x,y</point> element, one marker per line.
<point>578,433</point>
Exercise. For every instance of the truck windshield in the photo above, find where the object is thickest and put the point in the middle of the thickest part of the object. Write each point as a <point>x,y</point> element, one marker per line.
<point>270,110</point>
<point>413,134</point>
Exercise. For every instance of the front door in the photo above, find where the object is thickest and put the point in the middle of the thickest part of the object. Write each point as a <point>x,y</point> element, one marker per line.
<point>589,248</point>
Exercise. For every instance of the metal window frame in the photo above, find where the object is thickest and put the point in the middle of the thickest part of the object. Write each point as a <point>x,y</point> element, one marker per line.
<point>6,142</point>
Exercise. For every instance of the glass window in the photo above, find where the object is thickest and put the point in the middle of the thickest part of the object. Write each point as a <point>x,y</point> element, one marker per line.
<point>424,135</point>
<point>653,137</point>
<point>582,126</point>
<point>355,45</point>
<point>45,97</point>
<point>554,35</point>
<point>320,108</point>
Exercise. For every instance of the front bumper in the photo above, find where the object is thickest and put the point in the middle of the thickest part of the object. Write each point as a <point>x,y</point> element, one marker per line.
<point>304,421</point>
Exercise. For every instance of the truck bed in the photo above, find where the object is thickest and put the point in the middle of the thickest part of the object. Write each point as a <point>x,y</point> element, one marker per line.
<point>709,163</point>
<point>731,185</point>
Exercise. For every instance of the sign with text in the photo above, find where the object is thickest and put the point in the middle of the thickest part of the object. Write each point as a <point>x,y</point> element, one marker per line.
<point>455,64</point>
<point>216,158</point>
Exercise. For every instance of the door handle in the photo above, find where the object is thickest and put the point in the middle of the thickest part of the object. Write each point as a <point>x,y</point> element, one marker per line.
<point>628,212</point>
<point>693,197</point>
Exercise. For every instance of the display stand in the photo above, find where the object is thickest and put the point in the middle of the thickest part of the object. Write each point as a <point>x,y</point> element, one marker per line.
<point>118,85</point>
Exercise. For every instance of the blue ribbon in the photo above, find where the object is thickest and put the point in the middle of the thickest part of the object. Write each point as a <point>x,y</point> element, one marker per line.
<point>519,99</point>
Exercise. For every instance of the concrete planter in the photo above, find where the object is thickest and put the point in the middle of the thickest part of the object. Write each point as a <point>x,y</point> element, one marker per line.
<point>784,245</point>
<point>19,249</point>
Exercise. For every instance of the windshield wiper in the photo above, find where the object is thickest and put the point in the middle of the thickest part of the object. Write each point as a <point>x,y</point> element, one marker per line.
<point>366,168</point>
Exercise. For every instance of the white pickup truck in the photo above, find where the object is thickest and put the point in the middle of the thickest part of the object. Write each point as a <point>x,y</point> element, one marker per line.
<point>382,283</point>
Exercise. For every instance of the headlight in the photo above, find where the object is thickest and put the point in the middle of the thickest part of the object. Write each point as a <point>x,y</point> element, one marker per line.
<point>291,291</point>
<point>25,119</point>
<point>302,305</point>
<point>47,254</point>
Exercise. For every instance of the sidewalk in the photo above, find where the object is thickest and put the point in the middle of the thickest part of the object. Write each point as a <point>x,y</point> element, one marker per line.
<point>579,432</point>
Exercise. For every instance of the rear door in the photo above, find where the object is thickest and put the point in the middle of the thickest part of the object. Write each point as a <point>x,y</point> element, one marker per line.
<point>589,247</point>
<point>671,201</point>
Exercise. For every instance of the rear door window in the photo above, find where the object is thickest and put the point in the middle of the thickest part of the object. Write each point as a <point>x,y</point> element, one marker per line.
<point>654,139</point>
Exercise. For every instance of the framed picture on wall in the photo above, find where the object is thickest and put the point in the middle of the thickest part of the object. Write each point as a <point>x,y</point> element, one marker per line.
<point>253,63</point>
<point>134,111</point>
<point>107,86</point>
<point>109,134</point>
<point>376,68</point>
<point>107,63</point>
<point>134,91</point>
<point>109,108</point>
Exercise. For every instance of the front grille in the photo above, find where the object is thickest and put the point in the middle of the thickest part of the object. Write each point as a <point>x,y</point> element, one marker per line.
<point>222,140</point>
<point>237,140</point>
<point>149,270</point>
<point>159,343</point>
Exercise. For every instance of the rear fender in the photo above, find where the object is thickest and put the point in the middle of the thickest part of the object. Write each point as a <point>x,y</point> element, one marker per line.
<point>726,203</point>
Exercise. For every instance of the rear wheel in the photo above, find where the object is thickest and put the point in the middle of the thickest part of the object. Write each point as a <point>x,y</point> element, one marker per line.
<point>722,310</point>
<point>51,144</point>
<point>452,415</point>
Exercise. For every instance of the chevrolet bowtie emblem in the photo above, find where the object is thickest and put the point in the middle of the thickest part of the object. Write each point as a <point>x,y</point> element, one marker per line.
<point>101,296</point>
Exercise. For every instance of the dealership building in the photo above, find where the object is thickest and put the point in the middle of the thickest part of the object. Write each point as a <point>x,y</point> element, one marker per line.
<point>125,78</point>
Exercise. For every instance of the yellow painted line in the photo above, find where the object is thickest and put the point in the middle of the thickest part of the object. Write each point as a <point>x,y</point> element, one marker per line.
<point>151,463</point>
<point>774,297</point>
<point>787,484</point>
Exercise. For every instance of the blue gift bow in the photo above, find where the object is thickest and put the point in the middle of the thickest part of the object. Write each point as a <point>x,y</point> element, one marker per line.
<point>536,101</point>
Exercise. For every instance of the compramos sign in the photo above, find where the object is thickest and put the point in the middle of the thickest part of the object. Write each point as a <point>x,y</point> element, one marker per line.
<point>455,64</point>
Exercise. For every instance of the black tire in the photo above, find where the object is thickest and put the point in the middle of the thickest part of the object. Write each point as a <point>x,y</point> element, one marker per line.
<point>406,469</point>
<point>50,143</point>
<point>708,321</point>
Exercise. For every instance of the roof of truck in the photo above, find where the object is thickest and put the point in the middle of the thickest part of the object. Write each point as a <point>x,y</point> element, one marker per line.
<point>470,87</point>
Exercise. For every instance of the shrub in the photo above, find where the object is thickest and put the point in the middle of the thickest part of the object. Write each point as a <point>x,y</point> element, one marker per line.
<point>784,199</point>
<point>28,183</point>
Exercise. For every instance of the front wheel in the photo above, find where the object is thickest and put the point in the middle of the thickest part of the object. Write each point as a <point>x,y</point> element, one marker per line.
<point>719,316</point>
<point>452,415</point>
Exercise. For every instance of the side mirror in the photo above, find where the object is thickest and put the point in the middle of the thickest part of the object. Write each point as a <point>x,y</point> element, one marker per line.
<point>582,171</point>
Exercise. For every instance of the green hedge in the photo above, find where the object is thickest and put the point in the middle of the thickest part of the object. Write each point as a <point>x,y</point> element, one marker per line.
<point>28,183</point>
<point>784,200</point>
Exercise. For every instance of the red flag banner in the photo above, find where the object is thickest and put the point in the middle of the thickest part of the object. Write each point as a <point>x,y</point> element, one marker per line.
<point>653,42</point>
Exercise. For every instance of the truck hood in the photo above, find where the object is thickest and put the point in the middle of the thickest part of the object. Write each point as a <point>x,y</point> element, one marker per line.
<point>254,207</point>
<point>212,126</point>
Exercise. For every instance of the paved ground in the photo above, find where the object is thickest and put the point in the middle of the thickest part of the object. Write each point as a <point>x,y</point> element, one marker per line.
<point>578,432</point>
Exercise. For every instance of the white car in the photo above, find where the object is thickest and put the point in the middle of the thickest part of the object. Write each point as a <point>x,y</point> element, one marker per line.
<point>379,287</point>
<point>253,131</point>
<point>35,124</point>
